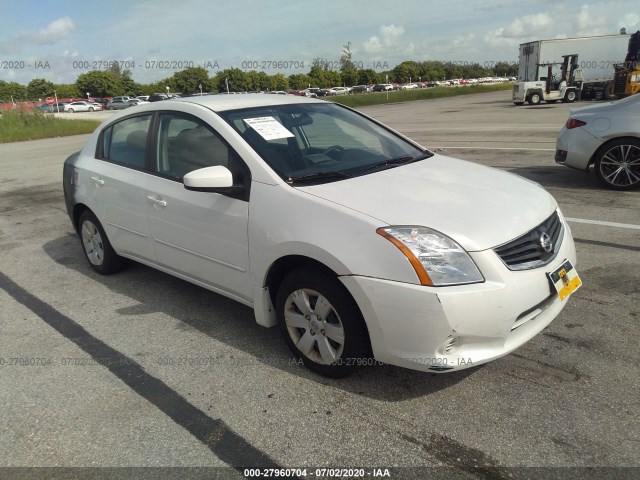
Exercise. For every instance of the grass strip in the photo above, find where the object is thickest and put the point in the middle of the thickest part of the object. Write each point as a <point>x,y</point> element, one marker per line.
<point>20,125</point>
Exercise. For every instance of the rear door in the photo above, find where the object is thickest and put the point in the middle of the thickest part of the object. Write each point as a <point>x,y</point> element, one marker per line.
<point>117,192</point>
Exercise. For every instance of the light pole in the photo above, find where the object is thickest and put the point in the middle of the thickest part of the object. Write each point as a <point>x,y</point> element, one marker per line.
<point>167,87</point>
<point>87,95</point>
<point>386,86</point>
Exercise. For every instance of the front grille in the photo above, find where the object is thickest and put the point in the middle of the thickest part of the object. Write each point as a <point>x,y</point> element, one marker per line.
<point>535,248</point>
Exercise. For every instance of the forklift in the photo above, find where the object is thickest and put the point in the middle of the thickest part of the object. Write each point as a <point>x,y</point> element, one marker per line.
<point>627,74</point>
<point>551,89</point>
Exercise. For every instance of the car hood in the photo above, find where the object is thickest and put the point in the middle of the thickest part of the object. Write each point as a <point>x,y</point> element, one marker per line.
<point>477,206</point>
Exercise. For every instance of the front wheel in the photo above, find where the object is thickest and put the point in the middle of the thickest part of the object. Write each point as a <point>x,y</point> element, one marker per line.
<point>618,164</point>
<point>321,323</point>
<point>570,96</point>
<point>96,246</point>
<point>70,110</point>
<point>91,109</point>
<point>534,99</point>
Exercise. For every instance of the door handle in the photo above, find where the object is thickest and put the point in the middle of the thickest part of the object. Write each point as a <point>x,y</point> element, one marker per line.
<point>97,181</point>
<point>157,201</point>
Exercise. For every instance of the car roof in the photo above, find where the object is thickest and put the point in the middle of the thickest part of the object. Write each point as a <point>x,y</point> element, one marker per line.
<point>222,102</point>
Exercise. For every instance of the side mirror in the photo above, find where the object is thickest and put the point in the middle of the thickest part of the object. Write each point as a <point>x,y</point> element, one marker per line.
<point>209,179</point>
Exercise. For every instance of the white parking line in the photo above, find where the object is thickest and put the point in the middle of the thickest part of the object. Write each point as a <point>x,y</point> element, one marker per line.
<point>606,224</point>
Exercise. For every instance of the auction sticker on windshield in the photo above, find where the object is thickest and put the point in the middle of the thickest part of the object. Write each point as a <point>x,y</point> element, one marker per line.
<point>268,128</point>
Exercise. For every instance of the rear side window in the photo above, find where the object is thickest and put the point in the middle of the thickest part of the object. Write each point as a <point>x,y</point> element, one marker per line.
<point>125,142</point>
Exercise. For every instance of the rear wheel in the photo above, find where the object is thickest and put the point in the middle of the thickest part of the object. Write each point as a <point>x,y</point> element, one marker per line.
<point>96,246</point>
<point>91,109</point>
<point>618,164</point>
<point>321,323</point>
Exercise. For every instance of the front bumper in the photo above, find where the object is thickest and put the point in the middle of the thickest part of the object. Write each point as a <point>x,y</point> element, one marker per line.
<point>452,328</point>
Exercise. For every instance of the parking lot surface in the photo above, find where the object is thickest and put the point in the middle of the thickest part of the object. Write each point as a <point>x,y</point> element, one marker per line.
<point>141,369</point>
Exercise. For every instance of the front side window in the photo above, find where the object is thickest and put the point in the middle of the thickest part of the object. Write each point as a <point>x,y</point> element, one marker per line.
<point>125,142</point>
<point>185,144</point>
<point>320,142</point>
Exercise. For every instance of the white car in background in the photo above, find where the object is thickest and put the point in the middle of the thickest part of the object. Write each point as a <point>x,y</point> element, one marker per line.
<point>606,136</point>
<point>360,244</point>
<point>82,106</point>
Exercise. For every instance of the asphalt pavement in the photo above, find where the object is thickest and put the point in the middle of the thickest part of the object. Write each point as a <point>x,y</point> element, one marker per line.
<point>141,369</point>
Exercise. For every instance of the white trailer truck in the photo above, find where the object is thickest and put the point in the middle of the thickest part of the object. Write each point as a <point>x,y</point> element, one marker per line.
<point>596,57</point>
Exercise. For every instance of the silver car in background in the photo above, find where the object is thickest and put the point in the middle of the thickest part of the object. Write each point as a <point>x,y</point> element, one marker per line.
<point>606,136</point>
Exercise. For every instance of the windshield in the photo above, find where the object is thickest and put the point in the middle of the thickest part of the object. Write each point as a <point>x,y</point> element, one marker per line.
<point>319,143</point>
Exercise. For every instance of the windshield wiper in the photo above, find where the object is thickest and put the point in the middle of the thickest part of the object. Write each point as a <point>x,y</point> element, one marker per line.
<point>318,176</point>
<point>393,162</point>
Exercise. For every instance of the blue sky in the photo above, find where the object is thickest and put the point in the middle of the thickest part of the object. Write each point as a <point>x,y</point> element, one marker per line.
<point>57,40</point>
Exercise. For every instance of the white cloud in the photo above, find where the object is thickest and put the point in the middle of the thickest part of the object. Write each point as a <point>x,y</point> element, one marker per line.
<point>527,25</point>
<point>631,21</point>
<point>587,23</point>
<point>390,41</point>
<point>57,30</point>
<point>54,32</point>
<point>539,25</point>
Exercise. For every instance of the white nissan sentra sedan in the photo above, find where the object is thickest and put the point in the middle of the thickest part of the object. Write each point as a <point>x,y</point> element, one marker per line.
<point>359,243</point>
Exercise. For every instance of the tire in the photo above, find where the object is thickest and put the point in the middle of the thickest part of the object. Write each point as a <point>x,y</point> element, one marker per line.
<point>96,246</point>
<point>570,96</point>
<point>91,109</point>
<point>534,99</point>
<point>517,104</point>
<point>617,164</point>
<point>70,110</point>
<point>321,323</point>
<point>608,92</point>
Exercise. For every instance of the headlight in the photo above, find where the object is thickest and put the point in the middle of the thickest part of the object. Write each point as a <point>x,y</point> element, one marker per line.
<point>437,259</point>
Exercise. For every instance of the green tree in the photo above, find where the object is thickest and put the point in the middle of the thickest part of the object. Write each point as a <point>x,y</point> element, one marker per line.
<point>234,77</point>
<point>39,88</point>
<point>367,77</point>
<point>452,70</point>
<point>406,72</point>
<point>346,62</point>
<point>66,90</point>
<point>300,81</point>
<point>279,82</point>
<point>257,81</point>
<point>432,70</point>
<point>505,69</point>
<point>98,84</point>
<point>322,77</point>
<point>190,79</point>
<point>350,77</point>
<point>128,87</point>
<point>12,90</point>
